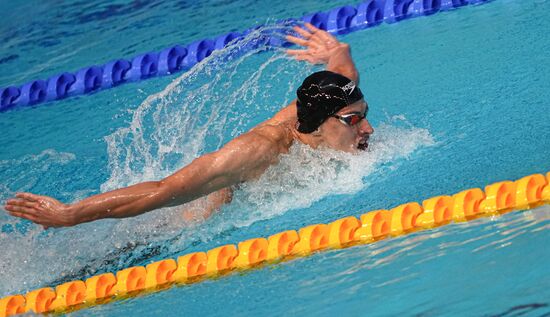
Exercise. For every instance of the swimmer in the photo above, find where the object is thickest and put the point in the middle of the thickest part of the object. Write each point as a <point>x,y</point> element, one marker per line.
<point>329,112</point>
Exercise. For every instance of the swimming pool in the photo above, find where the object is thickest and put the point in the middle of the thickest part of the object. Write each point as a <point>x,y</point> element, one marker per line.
<point>440,127</point>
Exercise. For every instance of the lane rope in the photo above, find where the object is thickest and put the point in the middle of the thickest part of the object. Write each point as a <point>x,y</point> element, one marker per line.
<point>499,198</point>
<point>178,58</point>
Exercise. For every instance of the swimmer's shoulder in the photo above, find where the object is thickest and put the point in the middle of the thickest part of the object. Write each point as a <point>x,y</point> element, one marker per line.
<point>272,131</point>
<point>278,134</point>
<point>279,125</point>
<point>278,128</point>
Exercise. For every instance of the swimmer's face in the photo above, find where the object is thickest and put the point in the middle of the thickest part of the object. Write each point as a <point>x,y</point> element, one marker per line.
<point>351,136</point>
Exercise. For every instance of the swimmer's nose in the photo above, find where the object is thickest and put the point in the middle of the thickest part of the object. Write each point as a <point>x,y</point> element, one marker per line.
<point>365,127</point>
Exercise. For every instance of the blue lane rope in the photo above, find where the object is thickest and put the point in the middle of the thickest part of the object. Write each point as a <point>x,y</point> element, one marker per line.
<point>174,59</point>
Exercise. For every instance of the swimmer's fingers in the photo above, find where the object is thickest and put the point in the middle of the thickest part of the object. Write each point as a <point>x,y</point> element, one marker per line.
<point>43,203</point>
<point>308,36</point>
<point>33,215</point>
<point>26,202</point>
<point>312,28</point>
<point>308,58</point>
<point>21,203</point>
<point>21,211</point>
<point>300,55</point>
<point>296,52</point>
<point>34,218</point>
<point>305,34</point>
<point>30,196</point>
<point>301,42</point>
<point>24,212</point>
<point>43,210</point>
<point>324,36</point>
<point>318,32</point>
<point>296,40</point>
<point>25,215</point>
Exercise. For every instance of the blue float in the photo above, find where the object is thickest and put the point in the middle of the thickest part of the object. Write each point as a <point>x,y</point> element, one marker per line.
<point>171,59</point>
<point>397,10</point>
<point>369,13</point>
<point>425,7</point>
<point>58,86</point>
<point>114,73</point>
<point>452,4</point>
<point>33,93</point>
<point>197,51</point>
<point>339,19</point>
<point>319,20</point>
<point>223,40</point>
<point>143,66</point>
<point>8,97</point>
<point>87,80</point>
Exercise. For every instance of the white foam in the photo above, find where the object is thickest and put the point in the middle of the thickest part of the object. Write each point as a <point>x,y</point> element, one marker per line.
<point>304,175</point>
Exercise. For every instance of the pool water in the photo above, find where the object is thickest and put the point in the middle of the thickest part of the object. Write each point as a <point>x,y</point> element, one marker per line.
<point>458,100</point>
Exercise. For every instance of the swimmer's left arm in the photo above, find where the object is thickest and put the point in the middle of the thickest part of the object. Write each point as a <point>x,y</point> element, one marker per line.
<point>237,161</point>
<point>323,48</point>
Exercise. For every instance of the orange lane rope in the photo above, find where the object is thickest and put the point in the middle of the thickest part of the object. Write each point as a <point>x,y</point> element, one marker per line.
<point>498,198</point>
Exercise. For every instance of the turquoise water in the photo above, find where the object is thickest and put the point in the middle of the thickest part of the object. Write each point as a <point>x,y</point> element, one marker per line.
<point>458,100</point>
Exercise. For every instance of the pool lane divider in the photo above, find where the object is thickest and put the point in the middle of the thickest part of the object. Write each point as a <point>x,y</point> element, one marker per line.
<point>498,198</point>
<point>177,58</point>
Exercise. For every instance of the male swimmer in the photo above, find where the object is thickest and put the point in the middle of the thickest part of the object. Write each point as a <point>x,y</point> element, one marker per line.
<point>329,112</point>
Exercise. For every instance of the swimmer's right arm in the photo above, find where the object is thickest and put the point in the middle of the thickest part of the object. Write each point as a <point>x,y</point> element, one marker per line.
<point>235,162</point>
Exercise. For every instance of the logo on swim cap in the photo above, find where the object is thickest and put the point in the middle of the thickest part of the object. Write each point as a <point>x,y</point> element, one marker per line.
<point>349,87</point>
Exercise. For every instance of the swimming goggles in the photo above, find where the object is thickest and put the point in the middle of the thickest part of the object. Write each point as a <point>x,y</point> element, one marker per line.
<point>350,119</point>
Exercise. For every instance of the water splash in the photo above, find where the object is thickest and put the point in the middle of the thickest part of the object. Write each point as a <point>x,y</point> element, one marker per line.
<point>223,96</point>
<point>192,115</point>
<point>19,240</point>
<point>305,176</point>
<point>27,174</point>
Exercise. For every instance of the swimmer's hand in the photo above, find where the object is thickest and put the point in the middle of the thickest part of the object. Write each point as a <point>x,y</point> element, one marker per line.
<point>323,48</point>
<point>320,45</point>
<point>43,210</point>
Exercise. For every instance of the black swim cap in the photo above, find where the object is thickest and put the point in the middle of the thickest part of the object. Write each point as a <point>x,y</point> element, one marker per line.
<point>321,95</point>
